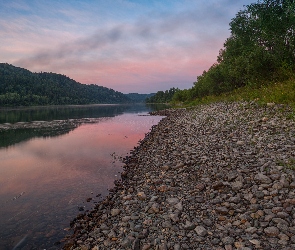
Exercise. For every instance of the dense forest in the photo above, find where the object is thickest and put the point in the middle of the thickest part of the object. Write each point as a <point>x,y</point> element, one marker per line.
<point>20,87</point>
<point>260,51</point>
<point>162,96</point>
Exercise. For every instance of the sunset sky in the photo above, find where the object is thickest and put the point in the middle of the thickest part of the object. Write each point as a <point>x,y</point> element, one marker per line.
<point>128,45</point>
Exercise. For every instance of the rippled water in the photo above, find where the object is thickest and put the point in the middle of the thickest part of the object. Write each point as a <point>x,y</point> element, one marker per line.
<point>52,170</point>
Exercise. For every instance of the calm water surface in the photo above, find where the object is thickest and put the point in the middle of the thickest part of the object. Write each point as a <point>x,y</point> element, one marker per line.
<point>52,171</point>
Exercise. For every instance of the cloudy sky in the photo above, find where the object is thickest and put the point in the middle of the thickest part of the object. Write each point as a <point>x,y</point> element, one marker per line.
<point>129,45</point>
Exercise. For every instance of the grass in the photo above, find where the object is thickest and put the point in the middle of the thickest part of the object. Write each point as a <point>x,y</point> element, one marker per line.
<point>278,92</point>
<point>289,164</point>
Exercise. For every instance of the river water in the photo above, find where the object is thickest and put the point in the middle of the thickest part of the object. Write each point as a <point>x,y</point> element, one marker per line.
<point>57,162</point>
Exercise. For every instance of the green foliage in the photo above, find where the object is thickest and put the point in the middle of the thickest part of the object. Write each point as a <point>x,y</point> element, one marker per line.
<point>20,87</point>
<point>278,92</point>
<point>162,97</point>
<point>260,51</point>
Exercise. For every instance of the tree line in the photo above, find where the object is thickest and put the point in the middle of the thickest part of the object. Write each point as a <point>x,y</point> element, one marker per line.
<point>162,96</point>
<point>260,50</point>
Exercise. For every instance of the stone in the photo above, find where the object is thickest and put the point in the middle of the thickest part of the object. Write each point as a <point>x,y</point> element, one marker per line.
<point>251,230</point>
<point>155,208</point>
<point>208,222</point>
<point>172,201</point>
<point>200,186</point>
<point>255,242</point>
<point>141,196</point>
<point>222,210</point>
<point>146,246</point>
<point>262,178</point>
<point>236,186</point>
<point>271,231</point>
<point>217,185</point>
<point>179,206</point>
<point>115,212</point>
<point>174,217</point>
<point>189,225</point>
<point>126,242</point>
<point>228,240</point>
<point>201,231</point>
<point>177,247</point>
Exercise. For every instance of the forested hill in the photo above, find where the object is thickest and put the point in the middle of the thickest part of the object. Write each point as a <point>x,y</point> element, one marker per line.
<point>21,87</point>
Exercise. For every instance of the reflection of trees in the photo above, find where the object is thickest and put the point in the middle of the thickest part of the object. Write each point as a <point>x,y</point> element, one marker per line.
<point>21,124</point>
<point>18,132</point>
<point>51,113</point>
<point>60,113</point>
<point>10,137</point>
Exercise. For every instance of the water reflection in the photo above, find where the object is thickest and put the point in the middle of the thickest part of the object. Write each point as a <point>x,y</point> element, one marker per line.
<point>21,124</point>
<point>50,113</point>
<point>45,180</point>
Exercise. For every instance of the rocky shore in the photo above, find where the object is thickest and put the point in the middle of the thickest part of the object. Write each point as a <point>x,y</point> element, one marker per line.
<point>218,176</point>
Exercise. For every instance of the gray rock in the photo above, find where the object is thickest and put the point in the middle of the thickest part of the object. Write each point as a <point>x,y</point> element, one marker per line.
<point>262,178</point>
<point>172,201</point>
<point>189,225</point>
<point>174,217</point>
<point>228,240</point>
<point>179,206</point>
<point>201,231</point>
<point>236,186</point>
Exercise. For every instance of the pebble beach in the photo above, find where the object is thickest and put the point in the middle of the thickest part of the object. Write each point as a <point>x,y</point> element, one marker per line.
<point>218,176</point>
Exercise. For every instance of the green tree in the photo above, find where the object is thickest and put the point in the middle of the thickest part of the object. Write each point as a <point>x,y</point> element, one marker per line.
<point>260,49</point>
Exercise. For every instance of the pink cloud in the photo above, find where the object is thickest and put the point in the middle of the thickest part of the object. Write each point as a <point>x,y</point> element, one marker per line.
<point>149,53</point>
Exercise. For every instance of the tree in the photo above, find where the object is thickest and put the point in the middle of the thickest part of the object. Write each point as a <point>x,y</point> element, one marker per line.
<point>260,49</point>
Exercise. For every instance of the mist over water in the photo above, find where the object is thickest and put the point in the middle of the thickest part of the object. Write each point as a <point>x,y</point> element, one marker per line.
<point>51,171</point>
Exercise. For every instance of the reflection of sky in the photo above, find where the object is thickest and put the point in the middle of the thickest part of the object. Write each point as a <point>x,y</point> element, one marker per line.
<point>82,151</point>
<point>62,171</point>
<point>128,45</point>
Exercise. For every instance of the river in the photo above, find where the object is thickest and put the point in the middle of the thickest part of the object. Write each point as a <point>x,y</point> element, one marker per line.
<point>57,162</point>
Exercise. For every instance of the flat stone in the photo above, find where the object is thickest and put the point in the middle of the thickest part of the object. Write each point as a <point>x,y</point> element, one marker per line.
<point>262,178</point>
<point>271,231</point>
<point>251,230</point>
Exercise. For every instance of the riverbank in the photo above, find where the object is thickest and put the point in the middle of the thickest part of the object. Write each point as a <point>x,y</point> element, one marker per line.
<point>219,176</point>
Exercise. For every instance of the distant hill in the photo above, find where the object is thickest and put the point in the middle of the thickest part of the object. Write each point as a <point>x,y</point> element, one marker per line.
<point>21,87</point>
<point>138,98</point>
